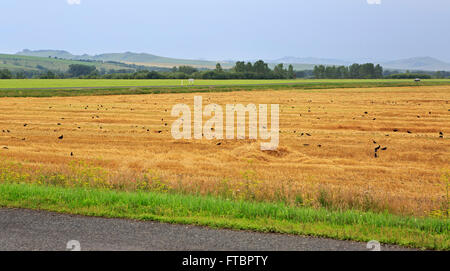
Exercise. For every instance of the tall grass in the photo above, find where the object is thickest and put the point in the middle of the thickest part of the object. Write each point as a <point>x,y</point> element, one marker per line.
<point>426,233</point>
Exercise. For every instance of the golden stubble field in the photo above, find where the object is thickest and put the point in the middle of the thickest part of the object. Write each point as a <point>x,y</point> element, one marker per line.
<point>129,136</point>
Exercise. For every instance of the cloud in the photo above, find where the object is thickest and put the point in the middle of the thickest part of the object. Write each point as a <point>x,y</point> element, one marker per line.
<point>374,2</point>
<point>73,2</point>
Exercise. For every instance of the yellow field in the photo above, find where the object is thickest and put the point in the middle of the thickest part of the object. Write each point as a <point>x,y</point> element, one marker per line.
<point>120,134</point>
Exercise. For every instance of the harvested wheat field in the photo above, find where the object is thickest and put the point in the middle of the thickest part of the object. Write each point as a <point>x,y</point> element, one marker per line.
<point>326,155</point>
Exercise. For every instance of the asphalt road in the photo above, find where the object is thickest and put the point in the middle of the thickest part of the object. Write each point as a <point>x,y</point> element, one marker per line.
<point>26,230</point>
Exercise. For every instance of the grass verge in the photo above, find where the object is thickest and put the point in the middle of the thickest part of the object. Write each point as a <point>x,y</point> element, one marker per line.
<point>424,233</point>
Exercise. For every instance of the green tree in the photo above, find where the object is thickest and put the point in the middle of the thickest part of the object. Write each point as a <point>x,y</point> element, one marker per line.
<point>5,74</point>
<point>279,71</point>
<point>187,70</point>
<point>219,68</point>
<point>291,72</point>
<point>77,70</point>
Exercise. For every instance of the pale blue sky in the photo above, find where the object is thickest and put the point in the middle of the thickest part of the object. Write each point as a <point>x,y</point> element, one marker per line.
<point>231,29</point>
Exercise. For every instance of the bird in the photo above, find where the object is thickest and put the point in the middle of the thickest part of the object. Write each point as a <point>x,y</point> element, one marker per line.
<point>5,148</point>
<point>377,148</point>
<point>71,154</point>
<point>308,134</point>
<point>25,125</point>
<point>61,137</point>
<point>218,144</point>
<point>374,142</point>
<point>409,132</point>
<point>395,130</point>
<point>383,149</point>
<point>376,155</point>
<point>320,146</point>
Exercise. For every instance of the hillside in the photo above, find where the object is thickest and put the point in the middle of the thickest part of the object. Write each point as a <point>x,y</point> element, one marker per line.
<point>418,63</point>
<point>127,57</point>
<point>34,63</point>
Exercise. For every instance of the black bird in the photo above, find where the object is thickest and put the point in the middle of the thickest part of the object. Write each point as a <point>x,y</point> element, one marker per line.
<point>377,148</point>
<point>409,132</point>
<point>25,125</point>
<point>218,144</point>
<point>376,155</point>
<point>374,142</point>
<point>320,146</point>
<point>71,154</point>
<point>383,149</point>
<point>308,134</point>
<point>441,133</point>
<point>61,137</point>
<point>395,130</point>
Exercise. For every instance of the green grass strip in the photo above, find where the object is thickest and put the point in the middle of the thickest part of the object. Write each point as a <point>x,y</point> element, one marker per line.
<point>424,233</point>
<point>307,85</point>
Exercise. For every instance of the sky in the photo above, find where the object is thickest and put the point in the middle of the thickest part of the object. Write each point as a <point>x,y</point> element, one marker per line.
<point>231,29</point>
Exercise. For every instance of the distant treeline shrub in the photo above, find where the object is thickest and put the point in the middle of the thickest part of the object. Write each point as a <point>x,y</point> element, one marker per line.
<point>5,74</point>
<point>355,71</point>
<point>409,76</point>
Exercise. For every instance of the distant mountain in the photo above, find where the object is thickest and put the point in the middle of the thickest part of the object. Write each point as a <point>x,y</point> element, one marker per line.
<point>127,57</point>
<point>299,63</point>
<point>417,63</point>
<point>412,64</point>
<point>311,60</point>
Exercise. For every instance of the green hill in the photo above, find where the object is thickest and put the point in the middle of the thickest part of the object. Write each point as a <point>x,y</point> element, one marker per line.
<point>128,57</point>
<point>33,63</point>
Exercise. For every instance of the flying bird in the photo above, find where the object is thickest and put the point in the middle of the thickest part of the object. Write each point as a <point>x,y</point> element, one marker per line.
<point>61,137</point>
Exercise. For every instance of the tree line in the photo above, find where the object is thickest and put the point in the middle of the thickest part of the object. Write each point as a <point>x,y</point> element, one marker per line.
<point>241,70</point>
<point>355,71</point>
